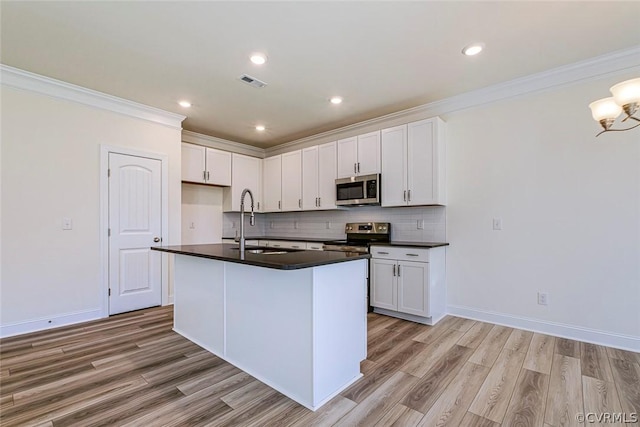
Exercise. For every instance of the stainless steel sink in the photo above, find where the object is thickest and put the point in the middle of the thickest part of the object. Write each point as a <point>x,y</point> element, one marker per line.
<point>264,251</point>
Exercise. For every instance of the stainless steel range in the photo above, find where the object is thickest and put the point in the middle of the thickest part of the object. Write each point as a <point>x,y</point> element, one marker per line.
<point>359,236</point>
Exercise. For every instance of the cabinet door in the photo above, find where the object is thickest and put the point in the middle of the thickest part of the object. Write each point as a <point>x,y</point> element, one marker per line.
<point>310,175</point>
<point>272,184</point>
<point>421,163</point>
<point>193,166</point>
<point>218,167</point>
<point>292,181</point>
<point>246,173</point>
<point>413,288</point>
<point>383,284</point>
<point>327,174</point>
<point>394,160</point>
<point>369,153</point>
<point>347,157</point>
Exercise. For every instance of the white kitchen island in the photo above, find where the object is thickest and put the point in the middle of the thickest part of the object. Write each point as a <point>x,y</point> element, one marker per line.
<point>298,325</point>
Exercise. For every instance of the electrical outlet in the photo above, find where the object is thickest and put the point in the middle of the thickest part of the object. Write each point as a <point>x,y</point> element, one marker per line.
<point>192,225</point>
<point>420,224</point>
<point>67,224</point>
<point>497,223</point>
<point>543,298</point>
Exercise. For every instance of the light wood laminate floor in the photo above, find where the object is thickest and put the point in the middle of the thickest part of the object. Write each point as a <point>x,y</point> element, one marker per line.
<point>133,370</point>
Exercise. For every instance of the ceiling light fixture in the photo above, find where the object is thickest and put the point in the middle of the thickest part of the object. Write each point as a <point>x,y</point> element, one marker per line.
<point>626,97</point>
<point>258,58</point>
<point>260,128</point>
<point>185,104</point>
<point>473,49</point>
<point>336,100</point>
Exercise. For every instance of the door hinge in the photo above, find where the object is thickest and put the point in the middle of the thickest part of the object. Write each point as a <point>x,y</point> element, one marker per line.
<point>109,291</point>
<point>108,173</point>
<point>108,232</point>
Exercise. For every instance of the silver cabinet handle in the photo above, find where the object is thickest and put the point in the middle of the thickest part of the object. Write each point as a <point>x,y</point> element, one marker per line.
<point>295,247</point>
<point>394,270</point>
<point>409,195</point>
<point>319,201</point>
<point>358,167</point>
<point>279,204</point>
<point>316,202</point>
<point>398,271</point>
<point>355,169</point>
<point>156,239</point>
<point>207,175</point>
<point>258,205</point>
<point>412,255</point>
<point>204,175</point>
<point>383,253</point>
<point>404,196</point>
<point>300,203</point>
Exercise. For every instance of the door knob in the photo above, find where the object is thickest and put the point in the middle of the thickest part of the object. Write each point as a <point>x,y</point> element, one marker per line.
<point>156,239</point>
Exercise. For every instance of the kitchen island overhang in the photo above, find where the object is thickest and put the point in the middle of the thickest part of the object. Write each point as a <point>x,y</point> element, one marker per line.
<point>298,325</point>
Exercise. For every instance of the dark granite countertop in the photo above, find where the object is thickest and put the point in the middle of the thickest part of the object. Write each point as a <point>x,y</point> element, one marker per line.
<point>291,239</point>
<point>292,260</point>
<point>426,245</point>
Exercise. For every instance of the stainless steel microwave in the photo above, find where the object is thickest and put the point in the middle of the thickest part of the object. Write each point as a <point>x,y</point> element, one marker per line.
<point>358,190</point>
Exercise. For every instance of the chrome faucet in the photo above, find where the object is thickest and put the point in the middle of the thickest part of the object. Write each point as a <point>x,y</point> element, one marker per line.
<point>252,218</point>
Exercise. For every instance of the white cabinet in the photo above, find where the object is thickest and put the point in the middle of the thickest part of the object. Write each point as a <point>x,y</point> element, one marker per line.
<point>292,181</point>
<point>205,165</point>
<point>246,173</point>
<point>359,155</point>
<point>319,171</point>
<point>408,282</point>
<point>272,184</point>
<point>413,164</point>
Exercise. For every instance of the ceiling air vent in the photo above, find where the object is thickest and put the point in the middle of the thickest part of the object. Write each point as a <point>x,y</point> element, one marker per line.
<point>252,81</point>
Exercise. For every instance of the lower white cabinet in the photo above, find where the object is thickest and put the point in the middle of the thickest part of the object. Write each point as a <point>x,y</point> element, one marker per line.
<point>408,282</point>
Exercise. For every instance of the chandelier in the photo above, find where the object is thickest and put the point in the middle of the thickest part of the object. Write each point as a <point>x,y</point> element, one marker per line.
<point>626,97</point>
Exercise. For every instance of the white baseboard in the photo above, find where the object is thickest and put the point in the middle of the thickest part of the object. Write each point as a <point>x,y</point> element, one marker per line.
<point>41,324</point>
<point>594,336</point>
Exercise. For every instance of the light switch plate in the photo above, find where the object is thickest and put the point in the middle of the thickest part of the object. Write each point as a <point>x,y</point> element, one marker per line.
<point>67,224</point>
<point>497,223</point>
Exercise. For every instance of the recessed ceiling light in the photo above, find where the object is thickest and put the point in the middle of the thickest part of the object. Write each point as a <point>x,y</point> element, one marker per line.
<point>336,100</point>
<point>473,49</point>
<point>258,58</point>
<point>185,104</point>
<point>260,128</point>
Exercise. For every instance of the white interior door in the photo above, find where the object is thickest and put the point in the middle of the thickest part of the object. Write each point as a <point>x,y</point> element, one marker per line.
<point>135,224</point>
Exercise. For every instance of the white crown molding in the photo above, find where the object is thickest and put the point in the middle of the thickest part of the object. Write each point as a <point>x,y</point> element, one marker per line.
<point>579,72</point>
<point>222,144</point>
<point>25,80</point>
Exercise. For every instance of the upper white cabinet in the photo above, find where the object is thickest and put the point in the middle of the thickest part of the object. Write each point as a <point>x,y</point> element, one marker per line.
<point>246,173</point>
<point>272,184</point>
<point>319,172</point>
<point>292,181</point>
<point>359,155</point>
<point>413,164</point>
<point>205,165</point>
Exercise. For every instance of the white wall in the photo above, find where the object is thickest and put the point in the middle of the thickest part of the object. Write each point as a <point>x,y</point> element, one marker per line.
<point>201,214</point>
<point>50,170</point>
<point>570,205</point>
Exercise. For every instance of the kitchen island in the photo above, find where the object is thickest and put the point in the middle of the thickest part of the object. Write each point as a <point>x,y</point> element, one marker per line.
<point>294,320</point>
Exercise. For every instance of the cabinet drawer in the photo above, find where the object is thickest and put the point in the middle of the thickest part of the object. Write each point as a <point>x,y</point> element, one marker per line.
<point>314,246</point>
<point>400,253</point>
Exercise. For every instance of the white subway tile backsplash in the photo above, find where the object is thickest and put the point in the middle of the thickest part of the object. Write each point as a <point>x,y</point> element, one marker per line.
<point>314,224</point>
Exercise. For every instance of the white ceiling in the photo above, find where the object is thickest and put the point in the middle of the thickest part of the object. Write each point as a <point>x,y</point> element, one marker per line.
<point>380,56</point>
